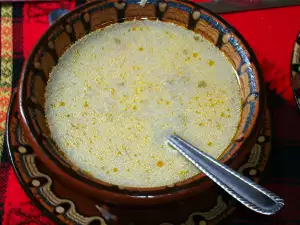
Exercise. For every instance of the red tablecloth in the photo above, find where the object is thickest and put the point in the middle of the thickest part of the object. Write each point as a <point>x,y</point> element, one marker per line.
<point>271,33</point>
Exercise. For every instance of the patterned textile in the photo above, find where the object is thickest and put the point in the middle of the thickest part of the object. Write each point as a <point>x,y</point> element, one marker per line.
<point>271,33</point>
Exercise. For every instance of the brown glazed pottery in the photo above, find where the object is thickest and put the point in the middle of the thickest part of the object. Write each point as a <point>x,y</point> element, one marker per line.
<point>94,15</point>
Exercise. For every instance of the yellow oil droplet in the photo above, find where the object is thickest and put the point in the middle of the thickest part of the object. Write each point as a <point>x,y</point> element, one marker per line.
<point>86,105</point>
<point>62,104</point>
<point>195,55</point>
<point>115,170</point>
<point>209,143</point>
<point>200,124</point>
<point>211,63</point>
<point>160,163</point>
<point>134,107</point>
<point>141,49</point>
<point>182,173</point>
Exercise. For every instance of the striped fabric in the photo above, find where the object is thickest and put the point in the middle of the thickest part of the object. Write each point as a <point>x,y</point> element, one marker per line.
<point>271,33</point>
<point>6,65</point>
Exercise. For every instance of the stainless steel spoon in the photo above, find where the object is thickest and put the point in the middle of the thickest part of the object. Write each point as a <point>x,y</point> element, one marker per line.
<point>241,188</point>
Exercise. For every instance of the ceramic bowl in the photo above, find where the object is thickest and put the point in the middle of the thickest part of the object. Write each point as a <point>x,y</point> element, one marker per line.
<point>96,15</point>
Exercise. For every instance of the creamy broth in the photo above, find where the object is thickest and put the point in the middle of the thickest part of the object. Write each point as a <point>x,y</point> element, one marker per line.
<point>117,93</point>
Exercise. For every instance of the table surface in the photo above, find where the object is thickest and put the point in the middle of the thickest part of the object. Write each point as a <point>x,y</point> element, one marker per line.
<point>271,33</point>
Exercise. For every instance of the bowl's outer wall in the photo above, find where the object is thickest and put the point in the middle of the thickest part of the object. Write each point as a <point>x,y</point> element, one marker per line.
<point>96,15</point>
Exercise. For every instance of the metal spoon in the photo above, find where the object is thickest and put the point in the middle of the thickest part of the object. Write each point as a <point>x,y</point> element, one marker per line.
<point>241,188</point>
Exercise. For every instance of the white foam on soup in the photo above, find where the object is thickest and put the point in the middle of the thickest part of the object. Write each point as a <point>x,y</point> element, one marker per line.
<point>117,93</point>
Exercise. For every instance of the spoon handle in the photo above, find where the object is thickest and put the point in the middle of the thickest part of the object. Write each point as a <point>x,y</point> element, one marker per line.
<point>241,188</point>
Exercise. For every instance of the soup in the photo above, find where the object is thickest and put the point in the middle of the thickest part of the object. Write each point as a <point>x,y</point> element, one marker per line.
<point>117,93</point>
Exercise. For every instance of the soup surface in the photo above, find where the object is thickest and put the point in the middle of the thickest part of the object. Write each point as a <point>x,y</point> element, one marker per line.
<point>117,93</point>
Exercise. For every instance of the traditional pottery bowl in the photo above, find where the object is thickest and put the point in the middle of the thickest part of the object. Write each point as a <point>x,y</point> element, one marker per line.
<point>96,15</point>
